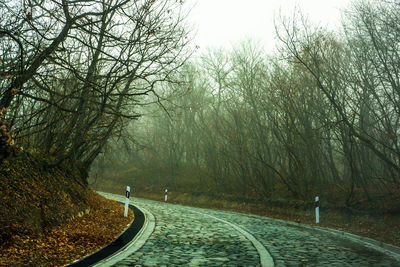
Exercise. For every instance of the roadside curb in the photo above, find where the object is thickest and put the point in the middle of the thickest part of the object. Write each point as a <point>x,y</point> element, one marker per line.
<point>135,244</point>
<point>390,250</point>
<point>122,241</point>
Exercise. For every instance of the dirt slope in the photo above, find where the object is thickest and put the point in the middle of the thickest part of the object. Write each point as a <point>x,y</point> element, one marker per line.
<point>49,216</point>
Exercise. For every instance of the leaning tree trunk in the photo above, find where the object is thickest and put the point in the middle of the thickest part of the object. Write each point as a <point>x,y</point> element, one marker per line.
<point>7,141</point>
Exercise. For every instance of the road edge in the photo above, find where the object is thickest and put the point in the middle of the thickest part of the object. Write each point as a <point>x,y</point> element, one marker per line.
<point>119,242</point>
<point>135,244</point>
<point>266,259</point>
<point>390,250</point>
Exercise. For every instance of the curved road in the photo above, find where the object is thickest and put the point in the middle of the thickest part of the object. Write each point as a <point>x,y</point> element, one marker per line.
<point>180,235</point>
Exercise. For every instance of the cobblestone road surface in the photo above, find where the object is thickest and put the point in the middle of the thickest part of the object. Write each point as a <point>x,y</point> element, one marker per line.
<point>200,237</point>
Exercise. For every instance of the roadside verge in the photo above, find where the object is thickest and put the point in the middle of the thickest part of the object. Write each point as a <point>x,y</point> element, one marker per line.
<point>390,250</point>
<point>122,241</point>
<point>136,242</point>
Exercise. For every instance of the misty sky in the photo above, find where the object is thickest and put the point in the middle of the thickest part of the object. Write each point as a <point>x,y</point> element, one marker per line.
<point>225,22</point>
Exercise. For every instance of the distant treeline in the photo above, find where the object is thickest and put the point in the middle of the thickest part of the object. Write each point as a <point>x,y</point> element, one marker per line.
<point>319,117</point>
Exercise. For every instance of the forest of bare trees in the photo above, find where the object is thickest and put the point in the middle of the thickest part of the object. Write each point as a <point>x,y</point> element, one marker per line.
<point>73,72</point>
<point>319,117</point>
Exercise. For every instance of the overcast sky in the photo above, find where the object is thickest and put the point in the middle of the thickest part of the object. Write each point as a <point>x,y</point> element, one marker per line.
<point>220,23</point>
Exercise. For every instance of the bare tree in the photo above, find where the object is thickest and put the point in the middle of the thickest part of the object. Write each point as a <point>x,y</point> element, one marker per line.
<point>89,65</point>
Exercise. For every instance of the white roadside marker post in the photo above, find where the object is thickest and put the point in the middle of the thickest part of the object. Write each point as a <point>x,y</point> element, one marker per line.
<point>128,192</point>
<point>166,195</point>
<point>317,209</point>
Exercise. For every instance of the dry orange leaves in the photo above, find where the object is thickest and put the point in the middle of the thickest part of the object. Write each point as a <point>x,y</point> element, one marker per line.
<point>89,231</point>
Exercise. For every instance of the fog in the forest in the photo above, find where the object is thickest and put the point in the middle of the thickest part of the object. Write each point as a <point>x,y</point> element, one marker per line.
<point>318,117</point>
<point>121,87</point>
